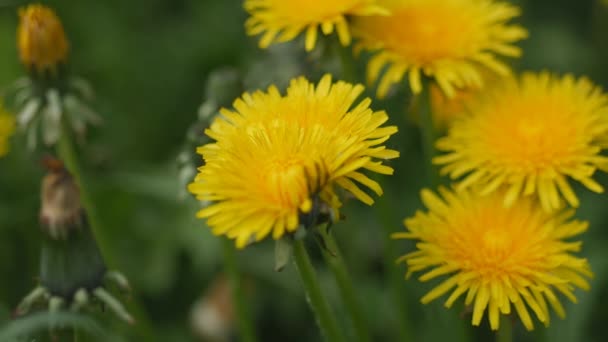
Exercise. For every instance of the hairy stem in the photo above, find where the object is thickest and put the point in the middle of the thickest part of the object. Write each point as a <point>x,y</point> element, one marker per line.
<point>333,258</point>
<point>325,318</point>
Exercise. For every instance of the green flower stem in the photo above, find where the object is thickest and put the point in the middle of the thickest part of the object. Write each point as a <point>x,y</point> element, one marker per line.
<point>429,135</point>
<point>505,332</point>
<point>320,307</point>
<point>67,153</point>
<point>246,330</point>
<point>334,260</point>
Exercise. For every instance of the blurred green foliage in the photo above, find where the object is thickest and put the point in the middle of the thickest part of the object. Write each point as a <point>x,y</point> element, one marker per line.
<point>149,62</point>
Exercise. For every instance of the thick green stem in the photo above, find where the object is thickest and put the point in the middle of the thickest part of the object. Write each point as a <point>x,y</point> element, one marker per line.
<point>334,260</point>
<point>429,135</point>
<point>325,318</point>
<point>246,330</point>
<point>505,332</point>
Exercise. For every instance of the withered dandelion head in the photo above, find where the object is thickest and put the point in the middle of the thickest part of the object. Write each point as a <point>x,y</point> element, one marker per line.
<point>41,41</point>
<point>281,21</point>
<point>7,128</point>
<point>450,41</point>
<point>275,156</point>
<point>499,257</point>
<point>530,135</point>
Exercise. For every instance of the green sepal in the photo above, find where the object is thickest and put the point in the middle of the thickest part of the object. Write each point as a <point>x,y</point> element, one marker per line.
<point>321,236</point>
<point>70,263</point>
<point>283,250</point>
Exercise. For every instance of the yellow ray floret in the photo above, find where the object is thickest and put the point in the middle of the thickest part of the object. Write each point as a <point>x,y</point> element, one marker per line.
<point>274,154</point>
<point>281,21</point>
<point>450,41</point>
<point>499,258</point>
<point>530,135</point>
<point>41,40</point>
<point>7,128</point>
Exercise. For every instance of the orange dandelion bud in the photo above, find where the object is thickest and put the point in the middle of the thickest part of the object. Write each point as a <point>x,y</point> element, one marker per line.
<point>41,41</point>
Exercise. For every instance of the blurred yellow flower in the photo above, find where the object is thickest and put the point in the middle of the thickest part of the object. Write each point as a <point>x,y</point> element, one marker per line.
<point>446,110</point>
<point>282,21</point>
<point>448,40</point>
<point>7,127</point>
<point>278,158</point>
<point>500,257</point>
<point>41,41</point>
<point>531,134</point>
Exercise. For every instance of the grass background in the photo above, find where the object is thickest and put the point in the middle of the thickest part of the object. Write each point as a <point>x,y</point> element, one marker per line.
<point>149,62</point>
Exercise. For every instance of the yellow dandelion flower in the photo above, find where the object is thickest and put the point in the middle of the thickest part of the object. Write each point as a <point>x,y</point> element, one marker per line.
<point>41,41</point>
<point>448,40</point>
<point>282,21</point>
<point>7,127</point>
<point>500,257</point>
<point>276,156</point>
<point>530,135</point>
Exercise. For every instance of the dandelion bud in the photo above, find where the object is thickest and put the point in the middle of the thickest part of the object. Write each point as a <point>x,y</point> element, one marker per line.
<point>50,102</point>
<point>41,41</point>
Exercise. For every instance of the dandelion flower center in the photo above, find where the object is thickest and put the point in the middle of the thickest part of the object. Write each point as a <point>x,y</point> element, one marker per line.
<point>499,257</point>
<point>277,154</point>
<point>446,40</point>
<point>540,136</point>
<point>496,241</point>
<point>530,135</point>
<point>413,39</point>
